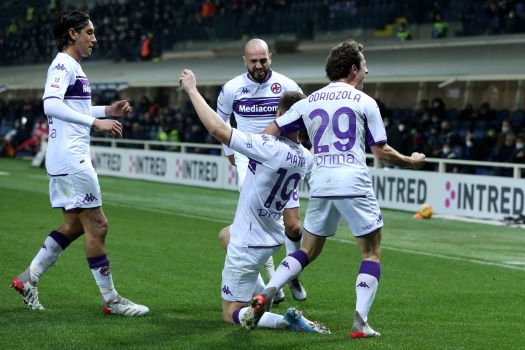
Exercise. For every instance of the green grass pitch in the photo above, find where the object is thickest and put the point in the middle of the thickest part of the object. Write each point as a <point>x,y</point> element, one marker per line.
<point>444,284</point>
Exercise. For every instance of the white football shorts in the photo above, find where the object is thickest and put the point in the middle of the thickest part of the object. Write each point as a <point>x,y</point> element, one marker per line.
<point>78,190</point>
<point>362,215</point>
<point>241,163</point>
<point>241,269</point>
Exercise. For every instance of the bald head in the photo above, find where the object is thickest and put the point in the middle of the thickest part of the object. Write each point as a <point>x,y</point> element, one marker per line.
<point>257,59</point>
<point>255,45</point>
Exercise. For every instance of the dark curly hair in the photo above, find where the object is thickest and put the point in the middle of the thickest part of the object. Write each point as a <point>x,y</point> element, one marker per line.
<point>341,59</point>
<point>64,21</point>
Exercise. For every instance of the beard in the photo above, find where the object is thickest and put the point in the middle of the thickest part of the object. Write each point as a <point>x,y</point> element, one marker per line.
<point>261,77</point>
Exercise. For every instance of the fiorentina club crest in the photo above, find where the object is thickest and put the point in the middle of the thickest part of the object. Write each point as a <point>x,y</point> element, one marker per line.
<point>276,88</point>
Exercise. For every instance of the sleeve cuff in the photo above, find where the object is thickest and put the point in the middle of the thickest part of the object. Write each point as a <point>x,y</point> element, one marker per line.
<point>99,111</point>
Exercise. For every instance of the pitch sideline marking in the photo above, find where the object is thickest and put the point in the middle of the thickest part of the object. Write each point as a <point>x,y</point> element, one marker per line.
<point>346,241</point>
<point>441,256</point>
<point>160,211</point>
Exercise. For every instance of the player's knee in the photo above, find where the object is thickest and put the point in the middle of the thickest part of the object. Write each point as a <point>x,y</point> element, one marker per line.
<point>102,227</point>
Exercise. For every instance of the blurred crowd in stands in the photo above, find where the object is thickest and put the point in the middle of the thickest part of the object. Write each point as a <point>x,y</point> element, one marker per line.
<point>473,133</point>
<point>143,30</point>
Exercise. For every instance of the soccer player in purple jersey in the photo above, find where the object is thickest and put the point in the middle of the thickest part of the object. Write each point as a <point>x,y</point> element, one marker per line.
<point>340,120</point>
<point>252,98</point>
<point>73,185</point>
<point>275,167</point>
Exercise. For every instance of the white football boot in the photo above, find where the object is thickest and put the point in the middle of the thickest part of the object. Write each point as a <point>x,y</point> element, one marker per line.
<point>125,307</point>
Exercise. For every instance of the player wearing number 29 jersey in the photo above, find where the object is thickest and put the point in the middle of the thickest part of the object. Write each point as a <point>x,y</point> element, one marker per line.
<point>340,121</point>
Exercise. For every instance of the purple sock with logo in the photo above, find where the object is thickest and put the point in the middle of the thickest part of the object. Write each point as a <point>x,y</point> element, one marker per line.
<point>288,269</point>
<point>366,286</point>
<point>99,266</point>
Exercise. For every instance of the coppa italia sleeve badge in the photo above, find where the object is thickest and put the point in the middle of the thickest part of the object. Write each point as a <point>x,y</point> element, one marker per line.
<point>55,81</point>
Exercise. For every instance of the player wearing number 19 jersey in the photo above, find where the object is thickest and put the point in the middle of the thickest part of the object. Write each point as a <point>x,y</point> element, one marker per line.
<point>253,98</point>
<point>341,120</point>
<point>275,167</point>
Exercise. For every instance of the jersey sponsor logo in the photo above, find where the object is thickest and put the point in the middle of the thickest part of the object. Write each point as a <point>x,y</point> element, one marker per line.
<point>276,88</point>
<point>256,107</point>
<point>334,159</point>
<point>226,290</point>
<point>265,138</point>
<point>89,197</point>
<point>363,284</point>
<point>80,90</point>
<point>245,91</point>
<point>265,213</point>
<point>59,66</point>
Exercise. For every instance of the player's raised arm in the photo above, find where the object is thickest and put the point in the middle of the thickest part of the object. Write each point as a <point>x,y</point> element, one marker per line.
<point>211,120</point>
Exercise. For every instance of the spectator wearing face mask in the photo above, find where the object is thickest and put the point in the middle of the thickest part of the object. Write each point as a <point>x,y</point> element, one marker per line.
<point>471,148</point>
<point>504,132</point>
<point>519,150</point>
<point>399,137</point>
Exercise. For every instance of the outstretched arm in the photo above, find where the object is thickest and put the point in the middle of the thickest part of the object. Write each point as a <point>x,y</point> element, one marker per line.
<point>386,153</point>
<point>211,120</point>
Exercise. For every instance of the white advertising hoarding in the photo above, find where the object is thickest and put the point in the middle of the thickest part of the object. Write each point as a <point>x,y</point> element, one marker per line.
<point>486,197</point>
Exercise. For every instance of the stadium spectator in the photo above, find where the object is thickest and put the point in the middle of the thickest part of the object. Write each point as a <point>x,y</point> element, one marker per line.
<point>400,138</point>
<point>187,21</point>
<point>496,18</point>
<point>248,250</point>
<point>336,189</point>
<point>74,185</point>
<point>259,89</point>
<point>440,26</point>
<point>402,33</point>
<point>519,151</point>
<point>505,131</point>
<point>145,47</point>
